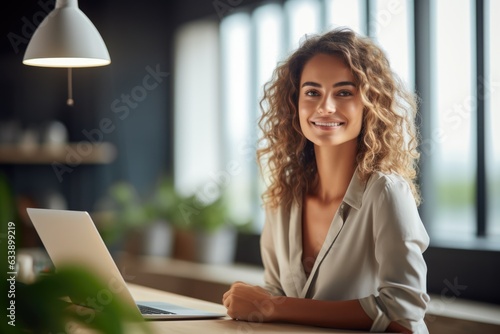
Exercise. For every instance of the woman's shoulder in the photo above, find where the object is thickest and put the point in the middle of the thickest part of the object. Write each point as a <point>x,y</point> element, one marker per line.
<point>395,212</point>
<point>392,182</point>
<point>388,188</point>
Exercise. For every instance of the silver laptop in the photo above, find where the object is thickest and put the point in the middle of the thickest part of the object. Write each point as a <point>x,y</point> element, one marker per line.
<point>71,237</point>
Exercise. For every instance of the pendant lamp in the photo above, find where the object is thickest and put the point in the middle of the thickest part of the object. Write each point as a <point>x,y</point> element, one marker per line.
<point>66,38</point>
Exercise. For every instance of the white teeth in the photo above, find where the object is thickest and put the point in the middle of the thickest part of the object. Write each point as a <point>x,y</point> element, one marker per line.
<point>327,124</point>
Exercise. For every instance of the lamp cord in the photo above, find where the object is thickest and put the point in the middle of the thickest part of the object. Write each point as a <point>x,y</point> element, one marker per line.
<point>70,100</point>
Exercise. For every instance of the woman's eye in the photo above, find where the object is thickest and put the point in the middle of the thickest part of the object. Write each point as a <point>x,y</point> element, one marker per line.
<point>345,93</point>
<point>312,93</point>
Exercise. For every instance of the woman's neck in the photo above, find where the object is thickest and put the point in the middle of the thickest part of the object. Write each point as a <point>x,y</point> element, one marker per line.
<point>336,166</point>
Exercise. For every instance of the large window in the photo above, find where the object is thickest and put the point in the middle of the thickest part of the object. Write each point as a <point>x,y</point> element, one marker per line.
<point>303,17</point>
<point>197,129</point>
<point>391,25</point>
<point>349,13</point>
<point>452,116</point>
<point>236,94</point>
<point>464,152</point>
<point>491,88</point>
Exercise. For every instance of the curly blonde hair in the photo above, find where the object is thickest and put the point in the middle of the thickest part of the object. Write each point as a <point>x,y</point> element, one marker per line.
<point>389,137</point>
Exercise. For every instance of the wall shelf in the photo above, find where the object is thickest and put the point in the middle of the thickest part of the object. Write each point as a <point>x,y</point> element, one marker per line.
<point>71,153</point>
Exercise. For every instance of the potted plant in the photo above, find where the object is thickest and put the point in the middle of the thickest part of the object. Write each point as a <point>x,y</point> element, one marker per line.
<point>161,210</point>
<point>122,214</point>
<point>207,231</point>
<point>146,225</point>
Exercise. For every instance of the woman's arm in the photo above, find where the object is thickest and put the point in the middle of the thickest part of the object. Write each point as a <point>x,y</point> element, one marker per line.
<point>253,303</point>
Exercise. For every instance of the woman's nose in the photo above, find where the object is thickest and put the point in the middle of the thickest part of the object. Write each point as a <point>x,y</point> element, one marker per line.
<point>327,106</point>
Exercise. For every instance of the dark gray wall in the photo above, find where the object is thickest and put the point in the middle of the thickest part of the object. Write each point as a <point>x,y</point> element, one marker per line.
<point>138,35</point>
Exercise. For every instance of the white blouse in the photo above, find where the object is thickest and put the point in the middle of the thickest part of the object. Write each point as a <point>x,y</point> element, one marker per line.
<point>372,252</point>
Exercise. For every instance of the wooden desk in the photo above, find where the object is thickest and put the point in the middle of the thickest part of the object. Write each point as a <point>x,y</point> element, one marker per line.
<point>444,316</point>
<point>217,326</point>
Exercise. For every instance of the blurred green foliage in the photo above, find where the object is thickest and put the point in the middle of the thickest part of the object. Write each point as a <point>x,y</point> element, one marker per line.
<point>130,212</point>
<point>43,307</point>
<point>206,217</point>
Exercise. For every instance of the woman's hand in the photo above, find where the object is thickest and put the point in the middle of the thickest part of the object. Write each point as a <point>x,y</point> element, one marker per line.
<point>394,327</point>
<point>255,304</point>
<point>250,303</point>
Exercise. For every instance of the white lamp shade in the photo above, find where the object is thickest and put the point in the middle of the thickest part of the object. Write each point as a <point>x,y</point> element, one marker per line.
<point>66,38</point>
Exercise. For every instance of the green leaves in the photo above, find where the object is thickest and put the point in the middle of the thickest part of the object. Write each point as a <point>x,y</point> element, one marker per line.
<point>7,202</point>
<point>43,306</point>
<point>209,217</point>
<point>126,212</point>
<point>165,201</point>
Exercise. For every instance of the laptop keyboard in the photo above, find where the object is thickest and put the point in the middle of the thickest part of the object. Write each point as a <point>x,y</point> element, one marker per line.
<point>151,310</point>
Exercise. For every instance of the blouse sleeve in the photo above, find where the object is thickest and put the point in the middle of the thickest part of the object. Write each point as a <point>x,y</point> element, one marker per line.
<point>400,239</point>
<point>269,258</point>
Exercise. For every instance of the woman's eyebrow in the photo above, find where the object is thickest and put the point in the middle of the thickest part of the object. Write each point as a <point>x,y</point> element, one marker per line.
<point>338,84</point>
<point>310,83</point>
<point>344,83</point>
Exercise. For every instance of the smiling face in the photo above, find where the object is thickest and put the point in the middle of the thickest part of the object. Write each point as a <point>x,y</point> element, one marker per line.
<point>330,106</point>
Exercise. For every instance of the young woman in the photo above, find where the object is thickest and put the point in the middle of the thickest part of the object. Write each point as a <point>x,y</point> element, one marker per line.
<point>343,241</point>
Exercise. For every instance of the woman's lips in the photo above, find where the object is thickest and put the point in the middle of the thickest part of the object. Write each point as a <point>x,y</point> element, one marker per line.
<point>330,124</point>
